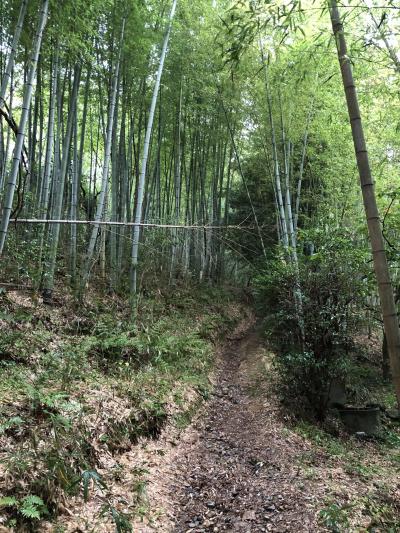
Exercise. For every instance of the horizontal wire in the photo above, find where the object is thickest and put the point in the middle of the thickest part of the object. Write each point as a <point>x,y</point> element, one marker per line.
<point>125,224</point>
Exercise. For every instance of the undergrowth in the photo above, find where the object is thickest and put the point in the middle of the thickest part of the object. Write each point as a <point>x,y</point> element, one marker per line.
<point>79,385</point>
<point>372,464</point>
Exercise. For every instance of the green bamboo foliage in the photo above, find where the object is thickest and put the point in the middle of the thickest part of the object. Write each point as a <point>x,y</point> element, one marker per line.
<point>28,91</point>
<point>144,138</point>
<point>66,146</point>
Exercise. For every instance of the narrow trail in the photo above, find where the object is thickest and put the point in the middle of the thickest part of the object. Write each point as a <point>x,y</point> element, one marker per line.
<point>235,468</point>
<point>236,472</point>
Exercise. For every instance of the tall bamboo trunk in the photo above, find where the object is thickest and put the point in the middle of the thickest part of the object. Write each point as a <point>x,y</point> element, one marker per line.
<point>84,121</point>
<point>12,179</point>
<point>277,176</point>
<point>10,63</point>
<point>115,187</point>
<point>385,289</point>
<point>287,150</point>
<point>124,187</point>
<point>177,184</point>
<point>142,176</point>
<point>45,187</point>
<point>104,180</point>
<point>59,185</point>
<point>74,202</point>
<point>238,161</point>
<point>9,134</point>
<point>32,178</point>
<point>301,169</point>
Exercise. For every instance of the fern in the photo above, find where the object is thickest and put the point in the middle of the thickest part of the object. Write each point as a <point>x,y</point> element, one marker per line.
<point>8,501</point>
<point>32,500</point>
<point>11,423</point>
<point>32,507</point>
<point>30,511</point>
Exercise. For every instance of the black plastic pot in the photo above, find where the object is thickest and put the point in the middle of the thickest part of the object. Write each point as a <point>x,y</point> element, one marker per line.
<point>361,419</point>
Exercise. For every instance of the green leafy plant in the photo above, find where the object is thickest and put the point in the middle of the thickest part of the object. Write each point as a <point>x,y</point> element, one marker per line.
<point>8,501</point>
<point>335,517</point>
<point>148,366</point>
<point>30,507</point>
<point>313,349</point>
<point>33,507</point>
<point>12,423</point>
<point>121,521</point>
<point>45,401</point>
<point>86,478</point>
<point>384,512</point>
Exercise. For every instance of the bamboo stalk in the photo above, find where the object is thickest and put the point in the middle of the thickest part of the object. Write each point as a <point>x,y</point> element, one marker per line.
<point>28,91</point>
<point>142,177</point>
<point>385,289</point>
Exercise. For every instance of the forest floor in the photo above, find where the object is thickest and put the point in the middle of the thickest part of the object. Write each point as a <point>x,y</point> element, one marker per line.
<point>237,463</point>
<point>234,468</point>
<point>241,466</point>
<point>176,426</point>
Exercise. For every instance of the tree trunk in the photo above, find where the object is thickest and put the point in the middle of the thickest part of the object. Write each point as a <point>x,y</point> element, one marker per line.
<point>177,183</point>
<point>236,153</point>
<point>58,187</point>
<point>385,288</point>
<point>142,177</point>
<point>278,187</point>
<point>301,170</point>
<point>104,180</point>
<point>11,58</point>
<point>74,202</point>
<point>45,188</point>
<point>385,359</point>
<point>12,179</point>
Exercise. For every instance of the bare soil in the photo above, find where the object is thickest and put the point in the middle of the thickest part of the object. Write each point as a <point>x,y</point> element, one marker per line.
<point>241,467</point>
<point>234,468</point>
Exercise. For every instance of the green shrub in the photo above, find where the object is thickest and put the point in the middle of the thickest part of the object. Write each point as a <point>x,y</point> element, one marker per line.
<point>151,365</point>
<point>313,339</point>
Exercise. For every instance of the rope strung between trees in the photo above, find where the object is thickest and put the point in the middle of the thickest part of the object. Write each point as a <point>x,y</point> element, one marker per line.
<point>112,223</point>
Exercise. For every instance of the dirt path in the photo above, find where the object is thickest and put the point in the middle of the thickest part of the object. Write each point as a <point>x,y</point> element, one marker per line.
<point>235,468</point>
<point>238,466</point>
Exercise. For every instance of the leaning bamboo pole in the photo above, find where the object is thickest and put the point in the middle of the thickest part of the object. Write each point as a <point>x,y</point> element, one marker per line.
<point>128,224</point>
<point>385,289</point>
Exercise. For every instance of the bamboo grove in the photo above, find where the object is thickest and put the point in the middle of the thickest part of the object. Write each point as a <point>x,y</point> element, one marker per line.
<point>145,140</point>
<point>94,129</point>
